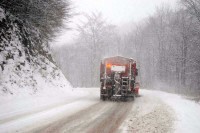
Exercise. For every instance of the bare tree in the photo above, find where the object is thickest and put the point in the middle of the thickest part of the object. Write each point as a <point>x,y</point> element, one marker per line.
<point>96,39</point>
<point>193,6</point>
<point>95,34</point>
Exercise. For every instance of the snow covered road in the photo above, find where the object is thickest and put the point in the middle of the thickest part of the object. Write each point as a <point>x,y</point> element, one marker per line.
<point>101,117</point>
<point>154,111</point>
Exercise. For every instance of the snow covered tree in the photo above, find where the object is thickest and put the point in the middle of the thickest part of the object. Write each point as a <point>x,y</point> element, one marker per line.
<point>39,21</point>
<point>46,15</point>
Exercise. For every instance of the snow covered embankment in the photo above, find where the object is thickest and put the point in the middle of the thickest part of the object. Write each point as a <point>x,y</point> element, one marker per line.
<point>28,80</point>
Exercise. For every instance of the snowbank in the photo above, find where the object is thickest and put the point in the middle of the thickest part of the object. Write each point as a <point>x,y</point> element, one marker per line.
<point>157,111</point>
<point>187,112</point>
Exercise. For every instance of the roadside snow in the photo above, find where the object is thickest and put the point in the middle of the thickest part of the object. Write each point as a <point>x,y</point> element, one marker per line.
<point>162,112</point>
<point>24,124</point>
<point>186,111</point>
<point>25,113</point>
<point>149,114</point>
<point>23,103</point>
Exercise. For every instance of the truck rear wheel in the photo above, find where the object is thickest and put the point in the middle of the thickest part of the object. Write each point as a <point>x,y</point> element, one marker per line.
<point>103,98</point>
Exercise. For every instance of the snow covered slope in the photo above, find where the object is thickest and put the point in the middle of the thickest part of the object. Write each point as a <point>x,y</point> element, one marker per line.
<point>25,66</point>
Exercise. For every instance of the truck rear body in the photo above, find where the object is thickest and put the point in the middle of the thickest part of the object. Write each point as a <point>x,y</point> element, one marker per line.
<point>118,78</point>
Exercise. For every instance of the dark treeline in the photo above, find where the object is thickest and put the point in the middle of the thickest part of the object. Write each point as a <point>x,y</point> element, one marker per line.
<point>166,46</point>
<point>38,21</point>
<point>46,15</point>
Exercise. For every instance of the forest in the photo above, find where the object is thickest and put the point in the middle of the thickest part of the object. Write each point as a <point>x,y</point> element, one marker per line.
<point>166,46</point>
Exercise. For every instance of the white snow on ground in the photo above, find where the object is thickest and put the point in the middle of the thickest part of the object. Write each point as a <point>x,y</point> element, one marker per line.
<point>149,114</point>
<point>185,113</point>
<point>20,105</point>
<point>48,94</point>
<point>153,111</point>
<point>35,111</point>
<point>39,119</point>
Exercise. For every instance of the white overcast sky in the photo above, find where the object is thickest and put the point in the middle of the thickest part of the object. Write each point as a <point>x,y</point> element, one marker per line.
<point>121,11</point>
<point>118,12</point>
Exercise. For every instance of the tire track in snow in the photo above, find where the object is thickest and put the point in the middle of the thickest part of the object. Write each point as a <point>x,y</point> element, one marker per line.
<point>101,117</point>
<point>27,114</point>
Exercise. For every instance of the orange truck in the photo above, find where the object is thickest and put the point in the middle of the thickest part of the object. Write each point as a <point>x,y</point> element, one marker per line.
<point>118,78</point>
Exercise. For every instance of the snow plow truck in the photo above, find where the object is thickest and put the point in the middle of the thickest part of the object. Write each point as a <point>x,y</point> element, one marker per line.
<point>118,78</point>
